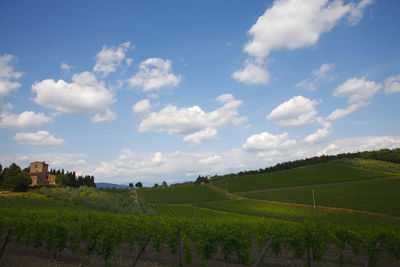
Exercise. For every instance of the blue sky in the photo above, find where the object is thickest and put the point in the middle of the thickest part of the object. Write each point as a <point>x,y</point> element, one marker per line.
<point>168,90</point>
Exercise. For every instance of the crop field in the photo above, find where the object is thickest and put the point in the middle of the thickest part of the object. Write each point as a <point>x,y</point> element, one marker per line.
<point>313,174</point>
<point>181,194</point>
<point>381,195</point>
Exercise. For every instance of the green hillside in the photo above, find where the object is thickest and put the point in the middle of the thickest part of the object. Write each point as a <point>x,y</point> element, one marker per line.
<point>314,174</point>
<point>381,195</point>
<point>181,194</point>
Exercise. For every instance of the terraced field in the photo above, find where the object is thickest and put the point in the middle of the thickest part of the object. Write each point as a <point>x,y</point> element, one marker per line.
<point>314,174</point>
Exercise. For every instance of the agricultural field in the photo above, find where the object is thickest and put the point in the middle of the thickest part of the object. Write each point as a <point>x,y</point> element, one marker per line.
<point>181,194</point>
<point>381,195</point>
<point>59,227</point>
<point>329,172</point>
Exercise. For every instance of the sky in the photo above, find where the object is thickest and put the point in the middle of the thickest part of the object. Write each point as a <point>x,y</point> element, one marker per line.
<point>159,90</point>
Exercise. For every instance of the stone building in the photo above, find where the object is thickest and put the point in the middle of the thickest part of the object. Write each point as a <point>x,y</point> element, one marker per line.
<point>39,172</point>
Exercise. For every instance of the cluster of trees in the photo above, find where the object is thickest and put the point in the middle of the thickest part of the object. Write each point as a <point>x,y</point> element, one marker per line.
<point>137,185</point>
<point>390,155</point>
<point>14,179</point>
<point>70,179</point>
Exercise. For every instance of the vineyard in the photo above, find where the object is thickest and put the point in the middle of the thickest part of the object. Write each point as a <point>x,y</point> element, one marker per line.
<point>203,225</point>
<point>313,174</point>
<point>243,238</point>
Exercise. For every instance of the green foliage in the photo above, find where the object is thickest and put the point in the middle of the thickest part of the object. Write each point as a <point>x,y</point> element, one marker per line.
<point>372,164</point>
<point>46,223</point>
<point>180,194</point>
<point>14,179</point>
<point>313,174</point>
<point>381,195</point>
<point>92,198</point>
<point>22,182</point>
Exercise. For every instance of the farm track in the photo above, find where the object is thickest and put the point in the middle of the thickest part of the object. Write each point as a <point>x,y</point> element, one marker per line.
<point>320,208</point>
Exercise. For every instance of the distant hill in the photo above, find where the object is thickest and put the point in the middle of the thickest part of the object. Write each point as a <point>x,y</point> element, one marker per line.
<point>110,185</point>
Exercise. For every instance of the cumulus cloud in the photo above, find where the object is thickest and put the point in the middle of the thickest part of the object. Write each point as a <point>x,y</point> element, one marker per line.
<point>27,120</point>
<point>40,138</point>
<point>322,73</point>
<point>320,133</point>
<point>392,84</point>
<point>7,75</point>
<point>297,111</point>
<point>142,106</point>
<point>200,137</point>
<point>294,24</point>
<point>252,73</point>
<point>154,74</point>
<point>109,58</point>
<point>358,93</point>
<point>84,95</point>
<point>106,115</point>
<point>265,141</point>
<point>174,120</point>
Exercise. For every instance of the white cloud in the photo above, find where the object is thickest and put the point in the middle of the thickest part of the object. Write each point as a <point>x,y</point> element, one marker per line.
<point>293,24</point>
<point>27,120</point>
<point>109,58</point>
<point>358,93</point>
<point>252,73</point>
<point>7,69</point>
<point>190,120</point>
<point>85,95</point>
<point>154,74</point>
<point>106,115</point>
<point>297,111</point>
<point>320,133</point>
<point>7,74</point>
<point>342,112</point>
<point>211,160</point>
<point>200,137</point>
<point>142,106</point>
<point>265,141</point>
<point>66,67</point>
<point>392,84</point>
<point>40,138</point>
<point>357,90</point>
<point>322,73</point>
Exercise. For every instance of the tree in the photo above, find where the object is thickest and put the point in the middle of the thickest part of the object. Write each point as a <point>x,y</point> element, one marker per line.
<point>62,179</point>
<point>139,185</point>
<point>155,185</point>
<point>22,182</point>
<point>15,179</point>
<point>164,184</point>
<point>9,175</point>
<point>130,185</point>
<point>1,175</point>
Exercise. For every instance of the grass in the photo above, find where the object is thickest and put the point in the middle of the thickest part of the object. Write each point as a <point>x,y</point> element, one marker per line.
<point>308,175</point>
<point>372,164</point>
<point>381,196</point>
<point>182,194</point>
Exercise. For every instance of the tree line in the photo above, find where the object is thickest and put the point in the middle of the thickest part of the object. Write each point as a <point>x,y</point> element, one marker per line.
<point>70,179</point>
